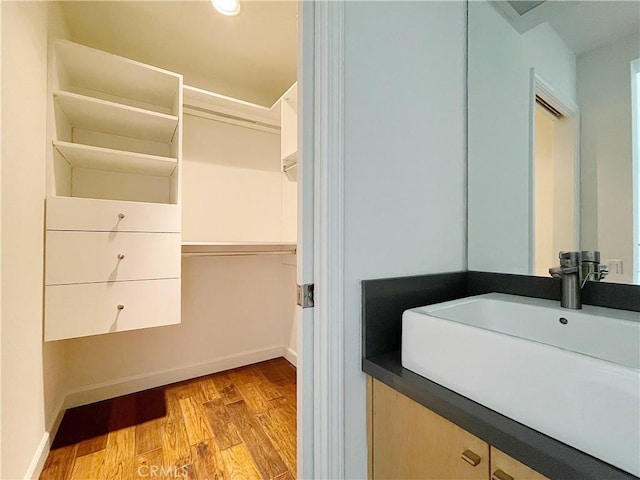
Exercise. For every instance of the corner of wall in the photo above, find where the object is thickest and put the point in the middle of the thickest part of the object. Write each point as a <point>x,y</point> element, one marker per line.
<point>1,3</point>
<point>32,401</point>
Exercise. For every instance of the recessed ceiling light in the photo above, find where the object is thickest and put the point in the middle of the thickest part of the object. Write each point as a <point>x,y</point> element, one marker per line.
<point>227,7</point>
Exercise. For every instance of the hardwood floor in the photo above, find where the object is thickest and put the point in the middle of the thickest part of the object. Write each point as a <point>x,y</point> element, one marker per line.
<point>235,425</point>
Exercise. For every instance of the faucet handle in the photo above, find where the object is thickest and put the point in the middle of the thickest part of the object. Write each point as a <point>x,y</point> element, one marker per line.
<point>555,272</point>
<point>570,259</point>
<point>559,272</point>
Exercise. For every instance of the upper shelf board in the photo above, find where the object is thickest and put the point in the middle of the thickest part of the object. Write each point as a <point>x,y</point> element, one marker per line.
<point>109,117</point>
<point>82,67</point>
<point>213,102</point>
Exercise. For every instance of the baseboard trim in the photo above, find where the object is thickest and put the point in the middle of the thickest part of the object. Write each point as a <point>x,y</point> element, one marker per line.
<point>291,355</point>
<point>57,419</point>
<point>42,452</point>
<point>123,386</point>
<point>37,463</point>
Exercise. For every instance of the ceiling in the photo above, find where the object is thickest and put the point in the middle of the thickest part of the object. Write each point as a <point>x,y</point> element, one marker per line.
<point>523,6</point>
<point>582,25</point>
<point>251,57</point>
<point>593,24</point>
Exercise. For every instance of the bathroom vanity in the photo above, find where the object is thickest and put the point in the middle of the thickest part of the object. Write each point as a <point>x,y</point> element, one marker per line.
<point>418,443</point>
<point>422,427</point>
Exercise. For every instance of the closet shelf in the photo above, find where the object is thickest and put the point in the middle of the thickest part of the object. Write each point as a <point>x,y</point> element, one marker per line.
<point>214,249</point>
<point>202,100</point>
<point>85,68</point>
<point>108,117</point>
<point>98,158</point>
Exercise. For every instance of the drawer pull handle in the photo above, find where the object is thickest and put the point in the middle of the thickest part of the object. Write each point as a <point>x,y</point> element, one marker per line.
<point>500,475</point>
<point>121,256</point>
<point>120,307</point>
<point>471,458</point>
<point>121,216</point>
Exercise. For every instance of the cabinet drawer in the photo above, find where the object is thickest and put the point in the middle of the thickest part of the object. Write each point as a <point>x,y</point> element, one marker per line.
<point>83,257</point>
<point>503,466</point>
<point>92,308</point>
<point>69,213</point>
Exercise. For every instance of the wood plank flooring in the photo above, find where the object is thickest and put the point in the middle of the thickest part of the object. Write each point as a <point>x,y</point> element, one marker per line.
<point>234,425</point>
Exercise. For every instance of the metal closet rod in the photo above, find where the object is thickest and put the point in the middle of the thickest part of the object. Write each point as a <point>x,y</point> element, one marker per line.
<point>227,116</point>
<point>235,254</point>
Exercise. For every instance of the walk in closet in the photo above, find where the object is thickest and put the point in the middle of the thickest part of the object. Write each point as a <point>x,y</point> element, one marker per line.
<point>170,207</point>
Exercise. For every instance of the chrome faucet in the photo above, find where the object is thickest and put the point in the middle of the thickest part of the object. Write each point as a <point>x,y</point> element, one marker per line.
<point>569,273</point>
<point>591,269</point>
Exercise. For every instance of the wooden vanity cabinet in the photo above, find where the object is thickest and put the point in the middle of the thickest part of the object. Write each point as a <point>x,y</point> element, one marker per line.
<point>409,441</point>
<point>504,467</point>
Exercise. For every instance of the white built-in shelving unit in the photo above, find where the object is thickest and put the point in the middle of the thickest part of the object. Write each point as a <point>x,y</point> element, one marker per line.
<point>113,220</point>
<point>289,133</point>
<point>112,114</point>
<point>114,195</point>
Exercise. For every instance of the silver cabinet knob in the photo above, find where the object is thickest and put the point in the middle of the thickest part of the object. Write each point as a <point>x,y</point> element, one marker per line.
<point>121,216</point>
<point>120,256</point>
<point>120,307</point>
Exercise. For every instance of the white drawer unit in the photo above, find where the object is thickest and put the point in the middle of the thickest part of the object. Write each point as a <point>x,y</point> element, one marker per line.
<point>69,213</point>
<point>95,308</point>
<point>89,257</point>
<point>113,206</point>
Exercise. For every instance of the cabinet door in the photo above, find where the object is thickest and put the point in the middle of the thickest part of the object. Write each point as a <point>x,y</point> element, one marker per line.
<point>411,442</point>
<point>503,467</point>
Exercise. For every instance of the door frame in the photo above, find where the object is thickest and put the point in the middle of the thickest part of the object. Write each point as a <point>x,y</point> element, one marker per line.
<point>569,109</point>
<point>321,451</point>
<point>635,166</point>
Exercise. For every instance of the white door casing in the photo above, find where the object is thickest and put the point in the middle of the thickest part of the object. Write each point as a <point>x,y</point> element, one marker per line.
<point>305,224</point>
<point>321,239</point>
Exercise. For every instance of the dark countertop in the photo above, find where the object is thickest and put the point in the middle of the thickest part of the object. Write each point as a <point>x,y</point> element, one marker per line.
<point>383,304</point>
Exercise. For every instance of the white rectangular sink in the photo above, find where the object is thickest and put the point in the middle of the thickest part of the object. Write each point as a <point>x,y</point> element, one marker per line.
<point>573,375</point>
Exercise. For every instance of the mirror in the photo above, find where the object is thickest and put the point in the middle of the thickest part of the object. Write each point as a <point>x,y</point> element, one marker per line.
<point>553,132</point>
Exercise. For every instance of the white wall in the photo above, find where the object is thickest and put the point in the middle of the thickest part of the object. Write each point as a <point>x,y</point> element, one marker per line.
<point>232,186</point>
<point>404,163</point>
<point>1,150</point>
<point>499,111</point>
<point>604,96</point>
<point>28,396</point>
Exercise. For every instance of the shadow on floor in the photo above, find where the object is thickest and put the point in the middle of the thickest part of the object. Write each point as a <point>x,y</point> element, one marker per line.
<point>96,419</point>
